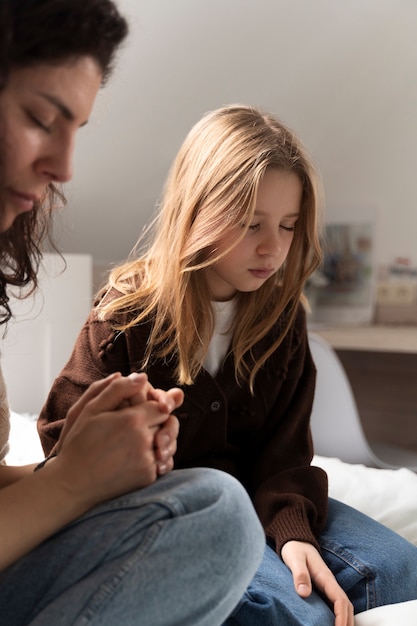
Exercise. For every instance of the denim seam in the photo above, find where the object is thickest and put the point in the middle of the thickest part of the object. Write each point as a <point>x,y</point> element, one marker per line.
<point>103,595</point>
<point>170,503</point>
<point>351,560</point>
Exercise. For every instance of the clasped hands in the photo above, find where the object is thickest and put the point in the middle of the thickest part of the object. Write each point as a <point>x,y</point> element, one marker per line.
<point>119,436</point>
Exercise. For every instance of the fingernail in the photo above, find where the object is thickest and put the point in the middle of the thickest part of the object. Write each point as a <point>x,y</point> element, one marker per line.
<point>136,377</point>
<point>164,454</point>
<point>303,589</point>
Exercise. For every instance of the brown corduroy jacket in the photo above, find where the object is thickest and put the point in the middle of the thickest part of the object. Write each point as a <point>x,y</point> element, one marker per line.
<point>262,439</point>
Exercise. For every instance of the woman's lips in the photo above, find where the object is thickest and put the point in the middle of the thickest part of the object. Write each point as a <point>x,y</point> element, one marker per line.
<point>24,201</point>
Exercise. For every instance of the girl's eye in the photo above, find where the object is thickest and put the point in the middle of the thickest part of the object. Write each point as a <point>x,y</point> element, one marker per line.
<point>290,229</point>
<point>254,227</point>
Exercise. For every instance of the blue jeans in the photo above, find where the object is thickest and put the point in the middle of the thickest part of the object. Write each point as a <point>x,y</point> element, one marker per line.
<point>374,566</point>
<point>178,553</point>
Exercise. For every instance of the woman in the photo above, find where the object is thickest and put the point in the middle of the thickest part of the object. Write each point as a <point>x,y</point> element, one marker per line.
<point>91,534</point>
<point>214,304</point>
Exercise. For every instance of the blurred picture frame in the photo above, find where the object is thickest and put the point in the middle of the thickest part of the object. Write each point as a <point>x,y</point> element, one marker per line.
<point>346,295</point>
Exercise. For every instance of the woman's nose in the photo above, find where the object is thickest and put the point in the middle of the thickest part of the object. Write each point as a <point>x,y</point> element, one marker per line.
<point>58,164</point>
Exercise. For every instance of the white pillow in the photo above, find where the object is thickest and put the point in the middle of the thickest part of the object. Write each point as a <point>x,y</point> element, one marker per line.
<point>389,496</point>
<point>402,614</point>
<point>25,445</point>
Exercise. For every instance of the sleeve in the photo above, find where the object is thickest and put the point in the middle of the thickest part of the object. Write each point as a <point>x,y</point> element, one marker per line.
<point>99,350</point>
<point>290,495</point>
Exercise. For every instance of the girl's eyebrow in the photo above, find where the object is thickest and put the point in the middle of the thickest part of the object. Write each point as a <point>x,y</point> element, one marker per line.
<point>62,108</point>
<point>262,213</point>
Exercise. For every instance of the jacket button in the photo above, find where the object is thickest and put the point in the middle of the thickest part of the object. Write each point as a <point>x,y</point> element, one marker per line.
<point>215,406</point>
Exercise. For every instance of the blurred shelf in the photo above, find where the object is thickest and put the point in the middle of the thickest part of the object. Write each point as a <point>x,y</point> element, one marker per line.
<point>381,364</point>
<point>402,339</point>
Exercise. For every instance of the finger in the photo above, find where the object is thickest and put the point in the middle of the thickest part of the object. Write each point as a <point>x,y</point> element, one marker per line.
<point>147,414</point>
<point>115,394</point>
<point>296,561</point>
<point>144,392</point>
<point>342,607</point>
<point>168,400</point>
<point>163,467</point>
<point>166,449</point>
<point>327,584</point>
<point>177,395</point>
<point>166,439</point>
<point>302,580</point>
<point>343,611</point>
<point>93,391</point>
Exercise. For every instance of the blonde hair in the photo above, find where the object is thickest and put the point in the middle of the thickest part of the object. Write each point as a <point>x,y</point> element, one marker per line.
<point>212,187</point>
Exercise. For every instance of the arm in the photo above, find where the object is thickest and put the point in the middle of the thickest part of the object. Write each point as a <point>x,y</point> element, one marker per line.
<point>289,494</point>
<point>293,501</point>
<point>107,449</point>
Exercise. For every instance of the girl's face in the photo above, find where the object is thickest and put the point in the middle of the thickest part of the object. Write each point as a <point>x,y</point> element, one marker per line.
<point>265,246</point>
<point>41,109</point>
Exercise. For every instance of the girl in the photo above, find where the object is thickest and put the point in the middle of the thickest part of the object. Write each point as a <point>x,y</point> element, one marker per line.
<point>92,536</point>
<point>214,304</point>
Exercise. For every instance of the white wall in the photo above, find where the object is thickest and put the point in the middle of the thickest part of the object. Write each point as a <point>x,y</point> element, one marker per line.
<point>342,73</point>
<point>42,333</point>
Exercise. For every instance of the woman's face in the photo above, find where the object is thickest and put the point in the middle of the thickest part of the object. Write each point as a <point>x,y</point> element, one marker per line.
<point>41,109</point>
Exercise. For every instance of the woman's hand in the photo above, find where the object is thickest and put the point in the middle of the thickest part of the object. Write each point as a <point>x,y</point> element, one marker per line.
<point>108,446</point>
<point>308,568</point>
<point>166,435</point>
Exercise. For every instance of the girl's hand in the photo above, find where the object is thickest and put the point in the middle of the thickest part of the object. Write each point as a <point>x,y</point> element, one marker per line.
<point>308,567</point>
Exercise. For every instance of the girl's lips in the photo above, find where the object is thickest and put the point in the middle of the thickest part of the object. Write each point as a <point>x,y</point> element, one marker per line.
<point>261,273</point>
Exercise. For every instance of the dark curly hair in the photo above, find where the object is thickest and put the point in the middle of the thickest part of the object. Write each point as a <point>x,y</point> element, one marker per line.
<point>47,31</point>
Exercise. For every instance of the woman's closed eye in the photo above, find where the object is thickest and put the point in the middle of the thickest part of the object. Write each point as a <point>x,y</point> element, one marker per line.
<point>290,229</point>
<point>35,119</point>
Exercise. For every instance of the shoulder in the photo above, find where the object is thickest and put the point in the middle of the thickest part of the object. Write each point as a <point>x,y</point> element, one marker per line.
<point>109,342</point>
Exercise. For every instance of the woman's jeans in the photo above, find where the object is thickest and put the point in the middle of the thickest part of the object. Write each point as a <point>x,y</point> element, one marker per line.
<point>374,566</point>
<point>178,553</point>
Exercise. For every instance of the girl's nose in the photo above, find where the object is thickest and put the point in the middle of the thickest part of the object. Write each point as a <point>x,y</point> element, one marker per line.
<point>270,245</point>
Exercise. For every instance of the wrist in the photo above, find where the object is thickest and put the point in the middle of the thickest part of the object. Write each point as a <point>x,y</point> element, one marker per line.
<point>44,462</point>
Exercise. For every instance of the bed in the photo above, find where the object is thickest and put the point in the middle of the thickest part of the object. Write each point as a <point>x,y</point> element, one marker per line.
<point>39,343</point>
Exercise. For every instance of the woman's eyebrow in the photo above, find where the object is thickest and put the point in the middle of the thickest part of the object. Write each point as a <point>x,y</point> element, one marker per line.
<point>62,108</point>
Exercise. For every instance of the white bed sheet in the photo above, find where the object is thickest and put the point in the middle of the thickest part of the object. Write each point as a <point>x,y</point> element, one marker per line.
<point>389,496</point>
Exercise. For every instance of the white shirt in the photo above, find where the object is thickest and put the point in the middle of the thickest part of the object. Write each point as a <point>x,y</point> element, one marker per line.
<point>222,334</point>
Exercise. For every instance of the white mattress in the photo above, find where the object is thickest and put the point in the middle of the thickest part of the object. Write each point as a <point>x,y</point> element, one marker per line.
<point>389,496</point>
